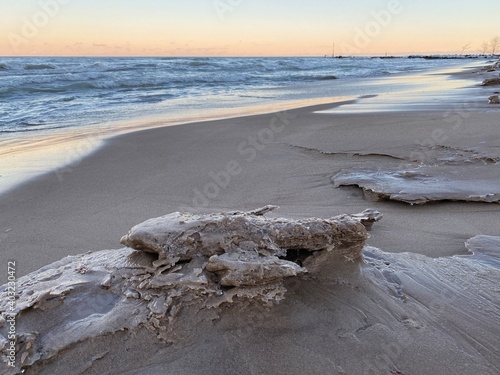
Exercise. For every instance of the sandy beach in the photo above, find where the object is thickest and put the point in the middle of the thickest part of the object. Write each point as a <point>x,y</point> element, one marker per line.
<point>311,162</point>
<point>285,158</point>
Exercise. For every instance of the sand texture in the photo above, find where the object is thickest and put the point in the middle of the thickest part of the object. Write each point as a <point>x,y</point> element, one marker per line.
<point>382,313</point>
<point>420,295</point>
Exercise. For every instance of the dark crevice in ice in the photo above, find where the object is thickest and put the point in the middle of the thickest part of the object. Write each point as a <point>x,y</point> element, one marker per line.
<point>297,256</point>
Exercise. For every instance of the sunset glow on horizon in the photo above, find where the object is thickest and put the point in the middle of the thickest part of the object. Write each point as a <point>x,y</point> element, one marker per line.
<point>244,27</point>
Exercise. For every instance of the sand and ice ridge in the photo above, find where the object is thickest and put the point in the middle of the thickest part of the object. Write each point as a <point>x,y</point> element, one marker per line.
<point>234,274</point>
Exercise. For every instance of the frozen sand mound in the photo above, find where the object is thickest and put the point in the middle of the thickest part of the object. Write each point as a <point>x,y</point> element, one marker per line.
<point>200,287</point>
<point>179,269</point>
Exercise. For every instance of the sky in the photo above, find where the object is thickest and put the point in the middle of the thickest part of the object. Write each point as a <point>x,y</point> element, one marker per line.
<point>244,27</point>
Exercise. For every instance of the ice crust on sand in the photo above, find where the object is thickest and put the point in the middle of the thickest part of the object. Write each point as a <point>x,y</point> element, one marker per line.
<point>486,249</point>
<point>182,236</point>
<point>133,312</point>
<point>491,81</point>
<point>494,99</point>
<point>179,269</point>
<point>425,184</point>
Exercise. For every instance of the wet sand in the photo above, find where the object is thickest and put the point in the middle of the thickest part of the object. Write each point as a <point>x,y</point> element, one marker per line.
<point>288,159</point>
<point>150,173</point>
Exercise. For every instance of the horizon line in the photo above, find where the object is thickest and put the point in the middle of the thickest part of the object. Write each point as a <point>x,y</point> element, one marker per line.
<point>381,55</point>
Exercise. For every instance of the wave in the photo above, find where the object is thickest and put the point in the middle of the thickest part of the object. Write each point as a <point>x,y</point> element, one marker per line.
<point>154,98</point>
<point>9,91</point>
<point>129,68</point>
<point>30,128</point>
<point>28,123</point>
<point>39,67</point>
<point>325,78</point>
<point>79,88</point>
<point>199,63</point>
<point>308,78</point>
<point>146,65</point>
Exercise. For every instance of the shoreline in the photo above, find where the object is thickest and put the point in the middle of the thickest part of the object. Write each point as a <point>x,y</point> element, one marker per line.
<point>26,157</point>
<point>62,150</point>
<point>407,297</point>
<point>285,158</point>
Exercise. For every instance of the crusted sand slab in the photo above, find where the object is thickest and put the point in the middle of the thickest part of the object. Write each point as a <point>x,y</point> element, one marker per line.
<point>399,313</point>
<point>426,184</point>
<point>185,268</point>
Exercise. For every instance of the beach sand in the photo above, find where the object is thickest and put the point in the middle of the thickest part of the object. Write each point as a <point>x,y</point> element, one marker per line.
<point>346,325</point>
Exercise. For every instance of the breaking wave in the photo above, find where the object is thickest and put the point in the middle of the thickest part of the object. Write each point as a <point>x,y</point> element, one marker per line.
<point>116,88</point>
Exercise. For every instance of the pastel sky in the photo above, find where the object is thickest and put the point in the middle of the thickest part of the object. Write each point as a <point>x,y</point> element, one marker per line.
<point>244,27</point>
